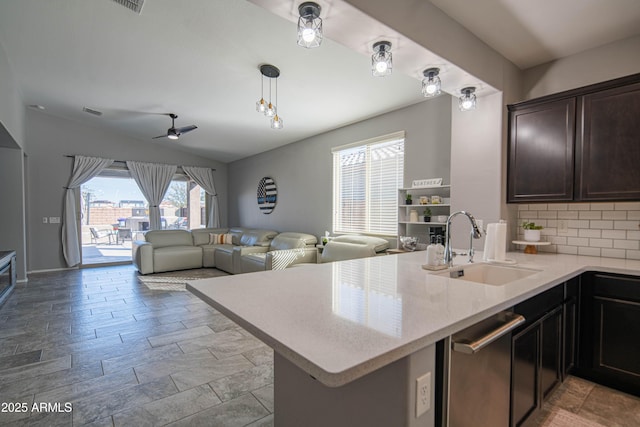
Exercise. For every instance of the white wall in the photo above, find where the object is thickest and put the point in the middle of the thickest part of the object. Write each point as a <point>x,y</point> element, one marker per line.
<point>50,139</point>
<point>603,63</point>
<point>303,170</point>
<point>476,167</point>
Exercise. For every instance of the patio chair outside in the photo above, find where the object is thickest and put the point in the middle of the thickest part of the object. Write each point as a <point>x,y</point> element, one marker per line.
<point>96,235</point>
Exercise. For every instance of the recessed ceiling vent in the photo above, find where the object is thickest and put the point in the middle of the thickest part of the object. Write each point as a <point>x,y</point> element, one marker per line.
<point>134,5</point>
<point>92,111</point>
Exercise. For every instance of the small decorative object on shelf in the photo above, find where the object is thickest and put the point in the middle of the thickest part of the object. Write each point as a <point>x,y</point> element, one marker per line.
<point>409,199</point>
<point>432,182</point>
<point>413,215</point>
<point>531,231</point>
<point>424,200</point>
<point>427,215</point>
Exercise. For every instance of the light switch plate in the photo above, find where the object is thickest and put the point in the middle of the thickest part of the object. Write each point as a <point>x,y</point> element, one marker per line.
<point>54,220</point>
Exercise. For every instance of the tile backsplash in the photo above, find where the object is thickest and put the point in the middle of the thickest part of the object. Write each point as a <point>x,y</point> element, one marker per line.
<point>595,229</point>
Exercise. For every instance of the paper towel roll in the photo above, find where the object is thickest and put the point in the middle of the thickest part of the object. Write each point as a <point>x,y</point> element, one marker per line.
<point>501,241</point>
<point>489,243</point>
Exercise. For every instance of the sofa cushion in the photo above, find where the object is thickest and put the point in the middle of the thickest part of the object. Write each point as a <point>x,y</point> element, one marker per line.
<point>171,258</point>
<point>378,244</point>
<point>257,237</point>
<point>236,232</point>
<point>164,238</point>
<point>290,240</point>
<point>341,251</point>
<point>201,235</point>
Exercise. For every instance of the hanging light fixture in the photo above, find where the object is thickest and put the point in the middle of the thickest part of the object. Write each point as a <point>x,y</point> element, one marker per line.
<point>270,109</point>
<point>431,83</point>
<point>276,121</point>
<point>261,105</point>
<point>381,60</point>
<point>309,25</point>
<point>467,100</point>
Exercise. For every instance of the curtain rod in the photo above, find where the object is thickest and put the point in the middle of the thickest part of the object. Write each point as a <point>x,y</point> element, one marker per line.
<point>125,162</point>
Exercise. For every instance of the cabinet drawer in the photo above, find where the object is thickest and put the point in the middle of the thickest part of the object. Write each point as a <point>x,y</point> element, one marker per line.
<point>616,287</point>
<point>536,307</point>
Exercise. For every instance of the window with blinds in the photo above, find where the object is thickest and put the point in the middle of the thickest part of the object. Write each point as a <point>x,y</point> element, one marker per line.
<point>366,178</point>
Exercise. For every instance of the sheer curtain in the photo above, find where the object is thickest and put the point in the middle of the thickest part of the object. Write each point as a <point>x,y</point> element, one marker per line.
<point>204,178</point>
<point>154,180</point>
<point>84,168</point>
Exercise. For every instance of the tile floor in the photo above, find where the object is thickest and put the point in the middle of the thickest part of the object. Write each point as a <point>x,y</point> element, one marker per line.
<point>581,403</point>
<point>101,349</point>
<point>121,354</point>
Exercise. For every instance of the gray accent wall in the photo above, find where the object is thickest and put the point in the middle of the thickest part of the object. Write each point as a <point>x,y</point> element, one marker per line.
<point>12,213</point>
<point>51,138</point>
<point>303,171</point>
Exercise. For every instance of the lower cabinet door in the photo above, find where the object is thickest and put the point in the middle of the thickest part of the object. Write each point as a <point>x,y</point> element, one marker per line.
<point>551,352</point>
<point>525,395</point>
<point>617,332</point>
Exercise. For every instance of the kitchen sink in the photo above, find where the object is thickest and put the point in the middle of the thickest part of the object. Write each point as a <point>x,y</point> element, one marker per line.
<point>488,274</point>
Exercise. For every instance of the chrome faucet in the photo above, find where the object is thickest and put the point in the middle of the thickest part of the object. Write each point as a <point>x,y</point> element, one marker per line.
<point>475,234</point>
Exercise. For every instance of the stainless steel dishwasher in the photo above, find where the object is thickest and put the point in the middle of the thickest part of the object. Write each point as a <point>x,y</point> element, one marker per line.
<point>480,373</point>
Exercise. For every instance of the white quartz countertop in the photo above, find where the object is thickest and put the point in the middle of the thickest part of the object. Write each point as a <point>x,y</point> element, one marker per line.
<point>343,320</point>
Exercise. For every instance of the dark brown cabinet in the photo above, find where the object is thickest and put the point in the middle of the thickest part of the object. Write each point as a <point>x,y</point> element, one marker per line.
<point>541,151</point>
<point>610,327</point>
<point>609,144</point>
<point>579,145</point>
<point>536,351</point>
<point>570,326</point>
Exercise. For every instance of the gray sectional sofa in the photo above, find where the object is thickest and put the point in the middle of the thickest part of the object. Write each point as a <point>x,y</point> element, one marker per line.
<point>249,250</point>
<point>169,250</point>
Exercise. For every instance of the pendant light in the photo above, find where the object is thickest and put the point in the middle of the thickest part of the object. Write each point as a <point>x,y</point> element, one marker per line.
<point>261,105</point>
<point>270,109</point>
<point>381,60</point>
<point>309,25</point>
<point>276,121</point>
<point>431,84</point>
<point>467,100</point>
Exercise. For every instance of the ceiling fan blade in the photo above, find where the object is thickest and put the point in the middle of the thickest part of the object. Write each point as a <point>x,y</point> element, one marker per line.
<point>159,136</point>
<point>186,129</point>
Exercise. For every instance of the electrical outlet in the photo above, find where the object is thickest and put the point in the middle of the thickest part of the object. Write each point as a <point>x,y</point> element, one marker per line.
<point>54,220</point>
<point>45,220</point>
<point>423,394</point>
<point>563,226</point>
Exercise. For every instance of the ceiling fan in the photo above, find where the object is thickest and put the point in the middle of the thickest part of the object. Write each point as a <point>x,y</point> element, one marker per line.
<point>173,132</point>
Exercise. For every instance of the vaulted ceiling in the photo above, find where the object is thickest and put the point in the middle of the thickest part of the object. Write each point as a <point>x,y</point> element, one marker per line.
<point>199,59</point>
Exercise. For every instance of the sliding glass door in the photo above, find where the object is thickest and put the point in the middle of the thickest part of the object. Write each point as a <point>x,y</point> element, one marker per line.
<point>114,213</point>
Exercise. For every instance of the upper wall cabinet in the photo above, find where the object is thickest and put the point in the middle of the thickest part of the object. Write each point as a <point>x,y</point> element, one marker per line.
<point>579,145</point>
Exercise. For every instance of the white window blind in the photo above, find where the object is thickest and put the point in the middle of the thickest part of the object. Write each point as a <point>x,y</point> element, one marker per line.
<point>366,178</point>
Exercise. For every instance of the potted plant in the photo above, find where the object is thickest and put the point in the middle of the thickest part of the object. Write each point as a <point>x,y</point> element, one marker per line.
<point>427,215</point>
<point>531,231</point>
<point>409,199</point>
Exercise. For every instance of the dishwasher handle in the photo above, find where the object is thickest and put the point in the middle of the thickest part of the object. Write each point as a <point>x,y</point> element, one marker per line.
<point>470,346</point>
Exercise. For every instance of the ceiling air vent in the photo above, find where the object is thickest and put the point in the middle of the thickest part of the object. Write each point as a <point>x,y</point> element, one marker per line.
<point>92,111</point>
<point>134,5</point>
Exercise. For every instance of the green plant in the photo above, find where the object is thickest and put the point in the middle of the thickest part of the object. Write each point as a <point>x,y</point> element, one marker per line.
<point>531,226</point>
<point>409,197</point>
<point>427,212</point>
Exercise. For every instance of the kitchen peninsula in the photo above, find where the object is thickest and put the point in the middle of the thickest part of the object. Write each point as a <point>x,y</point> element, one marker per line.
<point>351,338</point>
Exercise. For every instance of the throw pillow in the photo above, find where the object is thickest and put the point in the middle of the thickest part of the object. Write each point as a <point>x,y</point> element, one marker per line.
<point>219,239</point>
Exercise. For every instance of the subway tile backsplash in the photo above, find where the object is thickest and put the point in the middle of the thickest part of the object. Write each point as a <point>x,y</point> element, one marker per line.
<point>596,229</point>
